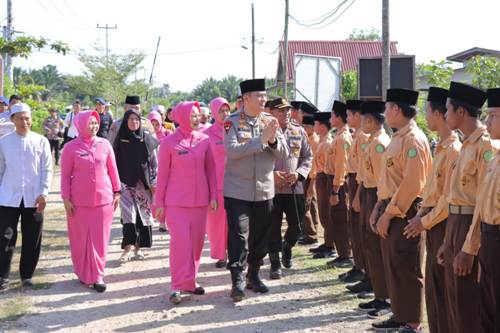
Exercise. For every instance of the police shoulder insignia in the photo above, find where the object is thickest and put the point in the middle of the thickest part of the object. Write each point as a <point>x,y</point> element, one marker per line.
<point>412,152</point>
<point>346,146</point>
<point>379,148</point>
<point>488,155</point>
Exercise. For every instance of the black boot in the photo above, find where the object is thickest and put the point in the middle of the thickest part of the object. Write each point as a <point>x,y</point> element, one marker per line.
<point>237,289</point>
<point>286,255</point>
<point>275,273</point>
<point>253,280</point>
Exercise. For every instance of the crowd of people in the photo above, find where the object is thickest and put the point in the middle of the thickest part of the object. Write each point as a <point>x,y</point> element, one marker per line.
<point>363,178</point>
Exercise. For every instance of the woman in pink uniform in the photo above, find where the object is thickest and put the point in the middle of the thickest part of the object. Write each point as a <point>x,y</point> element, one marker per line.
<point>90,188</point>
<point>216,220</point>
<point>186,187</point>
<point>156,120</point>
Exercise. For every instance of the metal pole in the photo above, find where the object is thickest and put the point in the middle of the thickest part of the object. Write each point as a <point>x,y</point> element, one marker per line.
<point>8,37</point>
<point>153,68</point>
<point>386,55</point>
<point>285,51</point>
<point>107,28</point>
<point>253,43</point>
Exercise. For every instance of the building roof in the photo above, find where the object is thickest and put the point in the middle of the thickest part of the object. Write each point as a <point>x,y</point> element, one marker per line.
<point>348,50</point>
<point>467,54</point>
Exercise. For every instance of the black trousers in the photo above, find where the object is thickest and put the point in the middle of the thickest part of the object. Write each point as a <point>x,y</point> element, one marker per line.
<point>137,234</point>
<point>248,231</point>
<point>285,203</point>
<point>55,147</point>
<point>31,230</point>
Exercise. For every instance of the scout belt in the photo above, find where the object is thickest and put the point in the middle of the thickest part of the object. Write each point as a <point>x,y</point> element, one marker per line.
<point>461,210</point>
<point>490,228</point>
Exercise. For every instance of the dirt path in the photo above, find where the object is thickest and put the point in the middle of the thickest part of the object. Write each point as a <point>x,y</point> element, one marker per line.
<point>306,300</point>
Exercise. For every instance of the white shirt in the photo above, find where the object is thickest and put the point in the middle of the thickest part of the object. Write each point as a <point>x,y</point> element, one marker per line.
<point>25,169</point>
<point>69,122</point>
<point>6,126</point>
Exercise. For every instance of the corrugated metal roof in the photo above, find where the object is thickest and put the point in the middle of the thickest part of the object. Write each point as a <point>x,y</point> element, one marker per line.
<point>348,50</point>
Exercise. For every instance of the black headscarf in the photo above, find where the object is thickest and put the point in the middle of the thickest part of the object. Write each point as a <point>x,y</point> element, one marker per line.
<point>132,151</point>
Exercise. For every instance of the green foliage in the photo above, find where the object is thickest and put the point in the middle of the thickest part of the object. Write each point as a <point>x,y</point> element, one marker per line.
<point>349,85</point>
<point>23,46</point>
<point>372,34</point>
<point>485,71</point>
<point>436,73</point>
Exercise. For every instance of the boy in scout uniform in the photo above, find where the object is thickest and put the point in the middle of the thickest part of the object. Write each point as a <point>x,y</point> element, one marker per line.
<point>337,159</point>
<point>371,164</point>
<point>434,211</point>
<point>289,175</point>
<point>484,234</point>
<point>399,190</point>
<point>353,164</point>
<point>462,290</point>
<point>253,142</point>
<point>322,128</point>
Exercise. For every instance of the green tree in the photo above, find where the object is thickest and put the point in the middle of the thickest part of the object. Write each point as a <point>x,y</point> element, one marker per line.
<point>349,85</point>
<point>485,71</point>
<point>23,46</point>
<point>372,34</point>
<point>436,73</point>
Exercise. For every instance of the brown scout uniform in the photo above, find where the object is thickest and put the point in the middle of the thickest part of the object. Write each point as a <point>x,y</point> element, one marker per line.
<point>311,219</point>
<point>408,163</point>
<point>323,188</point>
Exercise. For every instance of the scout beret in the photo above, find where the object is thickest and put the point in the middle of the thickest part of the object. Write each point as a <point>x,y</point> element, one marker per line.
<point>308,120</point>
<point>133,100</point>
<point>279,103</point>
<point>372,107</point>
<point>252,85</point>
<point>437,95</point>
<point>467,94</point>
<point>353,104</point>
<point>494,98</point>
<point>339,108</point>
<point>405,96</point>
<point>322,116</point>
<point>308,108</point>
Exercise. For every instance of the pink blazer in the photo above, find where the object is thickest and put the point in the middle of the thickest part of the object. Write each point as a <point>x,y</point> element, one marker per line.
<point>186,171</point>
<point>89,175</point>
<point>216,135</point>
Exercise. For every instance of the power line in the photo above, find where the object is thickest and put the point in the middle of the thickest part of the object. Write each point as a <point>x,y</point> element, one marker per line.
<point>315,27</point>
<point>75,14</point>
<point>321,19</point>
<point>63,22</point>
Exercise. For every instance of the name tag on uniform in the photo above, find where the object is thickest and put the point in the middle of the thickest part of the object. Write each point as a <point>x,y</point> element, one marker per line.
<point>124,140</point>
<point>219,143</point>
<point>84,154</point>
<point>182,152</point>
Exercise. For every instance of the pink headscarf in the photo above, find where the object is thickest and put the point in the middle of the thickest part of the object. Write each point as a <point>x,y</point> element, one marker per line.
<point>155,115</point>
<point>81,122</point>
<point>215,106</point>
<point>182,115</point>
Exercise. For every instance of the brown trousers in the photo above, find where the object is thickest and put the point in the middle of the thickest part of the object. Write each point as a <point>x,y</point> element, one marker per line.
<point>372,245</point>
<point>403,269</point>
<point>311,218</point>
<point>490,282</point>
<point>323,188</point>
<point>434,281</point>
<point>340,224</point>
<point>355,229</point>
<point>462,292</point>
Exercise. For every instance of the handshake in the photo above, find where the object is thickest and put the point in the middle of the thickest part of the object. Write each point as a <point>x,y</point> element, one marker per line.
<point>269,131</point>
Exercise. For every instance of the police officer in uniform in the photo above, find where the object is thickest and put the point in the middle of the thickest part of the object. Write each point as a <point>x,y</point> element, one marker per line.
<point>289,176</point>
<point>253,142</point>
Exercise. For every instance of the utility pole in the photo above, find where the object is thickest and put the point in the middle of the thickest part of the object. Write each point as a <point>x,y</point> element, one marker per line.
<point>7,35</point>
<point>253,43</point>
<point>152,68</point>
<point>386,55</point>
<point>107,30</point>
<point>285,51</point>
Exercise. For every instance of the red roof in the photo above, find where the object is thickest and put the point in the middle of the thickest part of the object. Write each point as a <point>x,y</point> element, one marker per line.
<point>348,50</point>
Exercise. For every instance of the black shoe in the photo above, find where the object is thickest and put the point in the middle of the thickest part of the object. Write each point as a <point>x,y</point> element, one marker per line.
<point>351,276</point>
<point>162,229</point>
<point>199,291</point>
<point>237,289</point>
<point>326,253</point>
<point>307,241</point>
<point>366,295</point>
<point>388,324</point>
<point>26,283</point>
<point>318,249</point>
<point>368,306</point>
<point>253,280</point>
<point>382,309</point>
<point>100,287</point>
<point>286,255</point>
<point>339,262</point>
<point>408,329</point>
<point>361,286</point>
<point>220,264</point>
<point>275,271</point>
